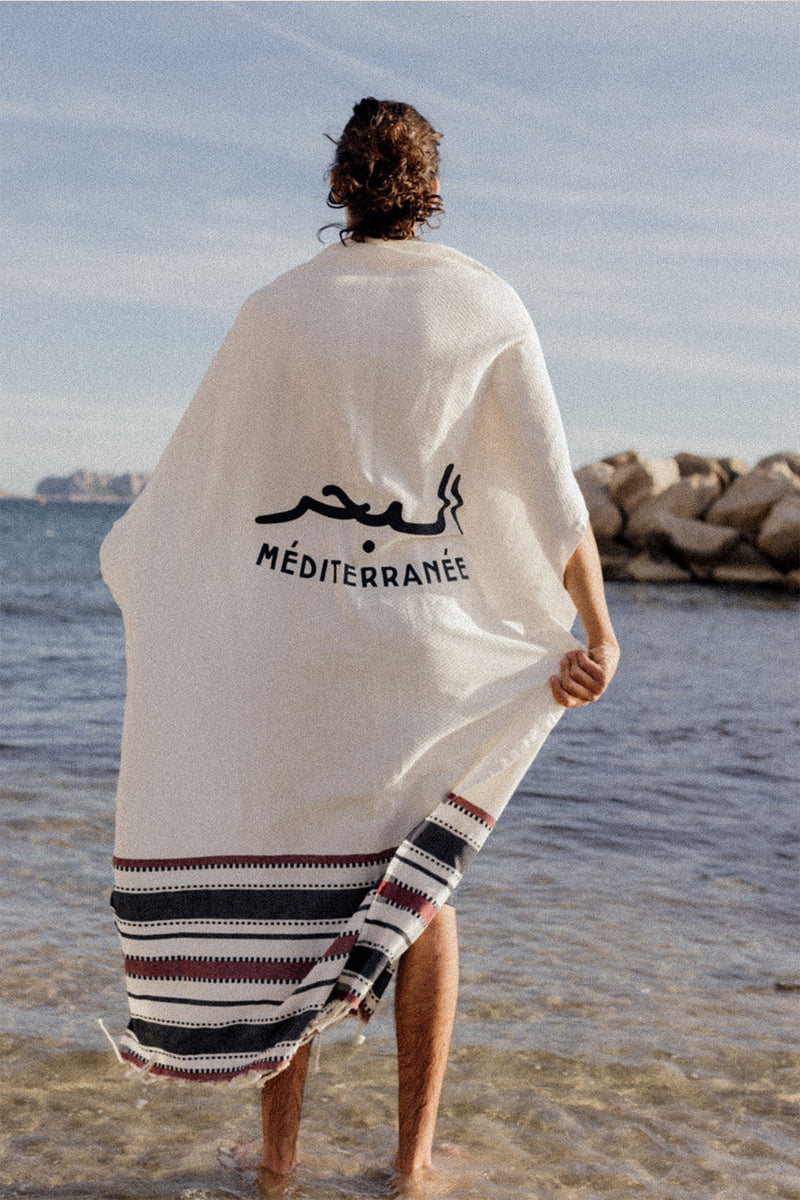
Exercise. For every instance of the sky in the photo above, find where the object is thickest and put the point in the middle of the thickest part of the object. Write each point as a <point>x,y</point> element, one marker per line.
<point>631,168</point>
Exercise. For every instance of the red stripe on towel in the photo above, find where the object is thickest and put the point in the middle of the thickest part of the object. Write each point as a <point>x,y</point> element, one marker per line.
<point>268,1064</point>
<point>472,809</point>
<point>342,945</point>
<point>408,899</point>
<point>214,969</point>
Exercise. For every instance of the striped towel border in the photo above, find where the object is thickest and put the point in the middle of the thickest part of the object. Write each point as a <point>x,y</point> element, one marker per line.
<point>233,962</point>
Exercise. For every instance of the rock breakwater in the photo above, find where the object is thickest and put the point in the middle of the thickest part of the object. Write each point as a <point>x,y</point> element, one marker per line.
<point>695,517</point>
<point>91,486</point>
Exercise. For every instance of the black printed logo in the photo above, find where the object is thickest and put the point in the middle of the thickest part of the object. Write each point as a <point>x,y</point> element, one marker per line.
<point>347,510</point>
<point>293,560</point>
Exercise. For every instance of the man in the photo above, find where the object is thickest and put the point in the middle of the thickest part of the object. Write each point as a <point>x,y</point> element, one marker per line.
<point>345,589</point>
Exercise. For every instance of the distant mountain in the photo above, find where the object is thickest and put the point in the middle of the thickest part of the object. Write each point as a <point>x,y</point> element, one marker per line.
<point>91,485</point>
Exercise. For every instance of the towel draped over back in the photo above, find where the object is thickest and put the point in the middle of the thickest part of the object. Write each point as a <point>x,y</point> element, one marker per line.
<point>342,594</point>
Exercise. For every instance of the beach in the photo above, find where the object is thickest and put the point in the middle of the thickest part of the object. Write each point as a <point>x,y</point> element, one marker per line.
<point>630,971</point>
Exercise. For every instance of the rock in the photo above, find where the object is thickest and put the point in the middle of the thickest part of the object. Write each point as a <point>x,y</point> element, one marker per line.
<point>748,500</point>
<point>614,558</point>
<point>127,485</point>
<point>64,487</point>
<point>754,576</point>
<point>634,482</point>
<point>644,568</point>
<point>692,541</point>
<point>594,476</point>
<point>692,496</point>
<point>745,565</point>
<point>733,468</point>
<point>696,517</point>
<point>728,469</point>
<point>91,485</point>
<point>605,517</point>
<point>790,457</point>
<point>88,483</point>
<point>701,571</point>
<point>689,498</point>
<point>52,486</point>
<point>779,538</point>
<point>699,464</point>
<point>622,459</point>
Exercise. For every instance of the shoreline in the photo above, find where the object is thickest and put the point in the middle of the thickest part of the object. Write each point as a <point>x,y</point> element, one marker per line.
<point>42,500</point>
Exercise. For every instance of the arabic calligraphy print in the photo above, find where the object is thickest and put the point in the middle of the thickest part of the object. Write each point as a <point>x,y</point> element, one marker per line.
<point>392,516</point>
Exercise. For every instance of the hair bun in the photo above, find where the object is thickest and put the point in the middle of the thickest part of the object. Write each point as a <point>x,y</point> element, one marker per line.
<point>385,169</point>
<point>366,110</point>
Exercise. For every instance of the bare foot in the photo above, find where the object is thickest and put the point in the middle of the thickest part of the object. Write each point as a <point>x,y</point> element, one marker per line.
<point>450,1165</point>
<point>243,1156</point>
<point>270,1184</point>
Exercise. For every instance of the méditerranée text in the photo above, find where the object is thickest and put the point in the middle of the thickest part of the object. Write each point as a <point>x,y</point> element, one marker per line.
<point>292,561</point>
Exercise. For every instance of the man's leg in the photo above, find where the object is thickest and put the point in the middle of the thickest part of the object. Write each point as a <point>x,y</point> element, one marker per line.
<point>425,1009</point>
<point>281,1102</point>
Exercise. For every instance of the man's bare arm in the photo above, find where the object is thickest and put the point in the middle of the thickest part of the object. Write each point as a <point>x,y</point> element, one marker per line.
<point>585,674</point>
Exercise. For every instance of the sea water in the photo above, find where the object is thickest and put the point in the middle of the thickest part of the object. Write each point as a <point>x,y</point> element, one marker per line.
<point>630,991</point>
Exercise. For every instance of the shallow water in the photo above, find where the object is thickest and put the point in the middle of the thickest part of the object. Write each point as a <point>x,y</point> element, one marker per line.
<point>531,1123</point>
<point>630,970</point>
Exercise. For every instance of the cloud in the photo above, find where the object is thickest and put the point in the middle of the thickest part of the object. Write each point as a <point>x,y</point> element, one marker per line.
<point>674,358</point>
<point>685,204</point>
<point>212,277</point>
<point>627,168</point>
<point>57,434</point>
<point>349,65</point>
<point>738,136</point>
<point>153,114</point>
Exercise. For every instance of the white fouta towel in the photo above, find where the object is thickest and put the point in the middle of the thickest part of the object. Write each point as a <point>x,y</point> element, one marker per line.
<point>342,593</point>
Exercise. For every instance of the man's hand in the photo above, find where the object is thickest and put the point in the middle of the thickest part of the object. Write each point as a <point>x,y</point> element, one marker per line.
<point>584,677</point>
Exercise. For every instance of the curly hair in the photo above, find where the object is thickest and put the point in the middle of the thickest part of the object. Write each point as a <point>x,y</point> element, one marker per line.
<point>384,172</point>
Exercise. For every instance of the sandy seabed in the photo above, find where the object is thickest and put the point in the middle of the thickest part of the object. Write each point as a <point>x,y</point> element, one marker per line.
<point>530,1124</point>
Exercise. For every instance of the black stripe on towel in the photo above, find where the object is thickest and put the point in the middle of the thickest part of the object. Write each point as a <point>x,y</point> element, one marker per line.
<point>366,962</point>
<point>226,1040</point>
<point>388,925</point>
<point>449,848</point>
<point>410,862</point>
<point>239,904</point>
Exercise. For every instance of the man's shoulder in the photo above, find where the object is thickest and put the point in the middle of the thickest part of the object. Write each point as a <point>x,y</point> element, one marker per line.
<point>477,286</point>
<point>450,277</point>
